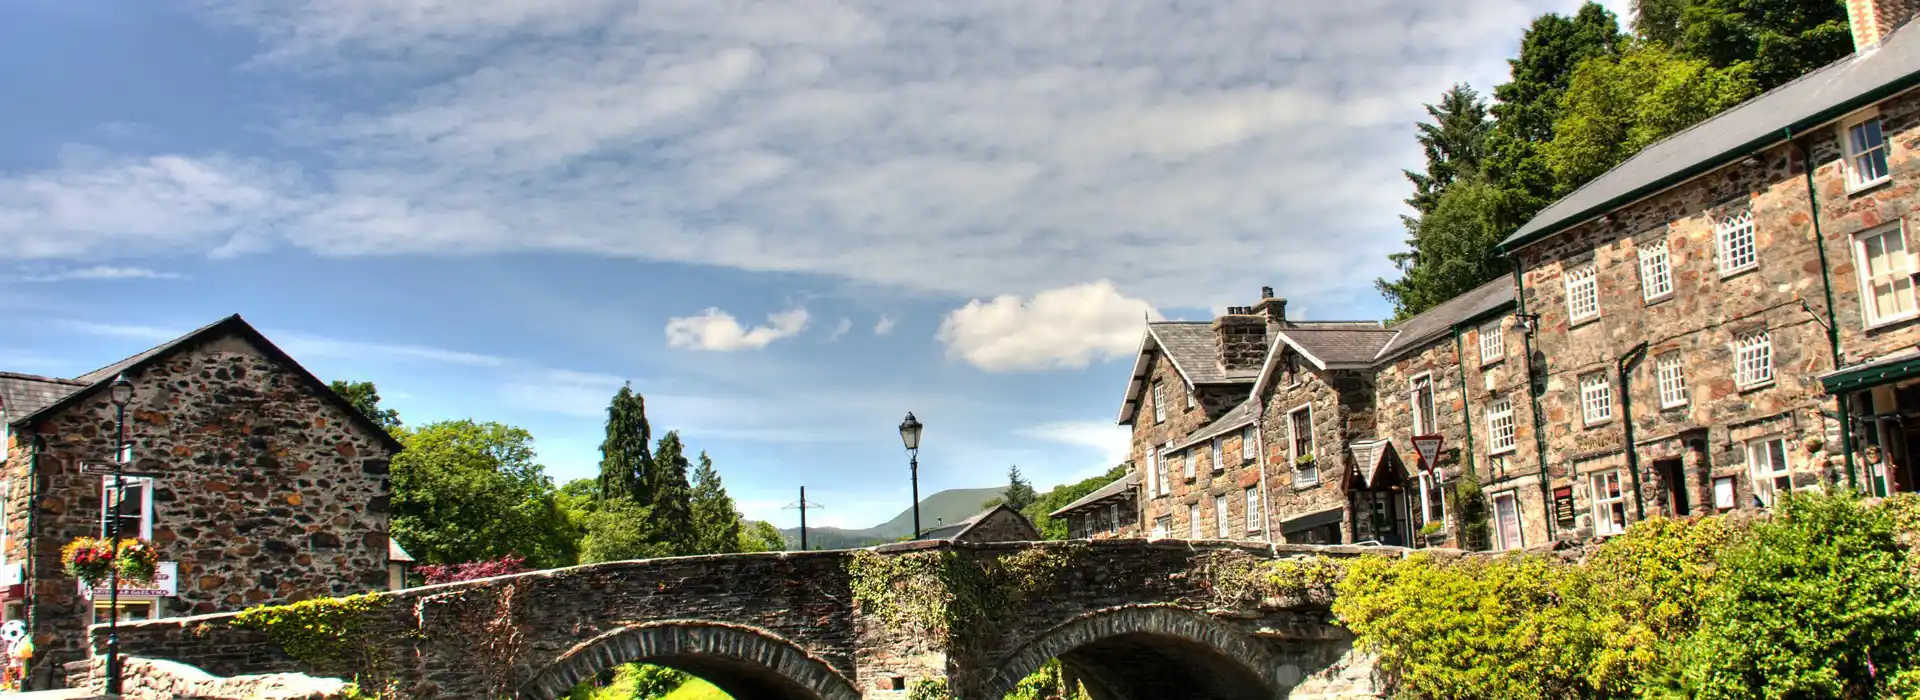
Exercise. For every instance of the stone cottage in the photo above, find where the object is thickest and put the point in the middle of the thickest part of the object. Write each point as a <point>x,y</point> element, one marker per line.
<point>1113,510</point>
<point>1730,314</point>
<point>265,486</point>
<point>1001,523</point>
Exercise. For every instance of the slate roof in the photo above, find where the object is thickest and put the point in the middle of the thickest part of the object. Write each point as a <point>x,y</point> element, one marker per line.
<point>1440,320</point>
<point>1809,101</point>
<point>1235,417</point>
<point>24,394</point>
<point>110,371</point>
<point>1191,346</point>
<point>954,531</point>
<point>1113,489</point>
<point>1338,347</point>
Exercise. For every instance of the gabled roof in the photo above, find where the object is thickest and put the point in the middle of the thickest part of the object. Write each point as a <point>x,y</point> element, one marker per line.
<point>397,553</point>
<point>1236,417</point>
<point>1329,349</point>
<point>1113,490</point>
<point>97,380</point>
<point>1783,112</point>
<point>1189,345</point>
<point>24,394</point>
<point>1359,348</point>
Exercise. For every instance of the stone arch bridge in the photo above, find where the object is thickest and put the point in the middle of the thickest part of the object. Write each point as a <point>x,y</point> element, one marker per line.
<point>1131,619</point>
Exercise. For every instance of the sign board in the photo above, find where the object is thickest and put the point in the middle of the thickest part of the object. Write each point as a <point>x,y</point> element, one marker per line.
<point>106,469</point>
<point>165,584</point>
<point>1563,507</point>
<point>1429,448</point>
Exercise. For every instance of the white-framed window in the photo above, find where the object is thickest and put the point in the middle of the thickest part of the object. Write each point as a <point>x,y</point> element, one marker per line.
<point>1155,485</point>
<point>1159,402</point>
<point>1220,519</point>
<point>131,610</point>
<point>1886,275</point>
<point>1493,342</point>
<point>1219,453</point>
<point>1656,272</point>
<point>1290,368</point>
<point>1421,393</point>
<point>1300,425</point>
<point>1190,393</point>
<point>1113,519</point>
<point>1433,502</point>
<point>1164,488</point>
<point>1188,460</point>
<point>1193,521</point>
<point>1734,232</point>
<point>1500,425</point>
<point>1753,359</point>
<point>1506,522</point>
<point>1253,508</point>
<point>1249,446</point>
<point>1671,376</point>
<point>1162,525</point>
<point>1866,148</point>
<point>1767,463</point>
<point>1609,504</point>
<point>1596,398</point>
<point>1583,294</point>
<point>133,505</point>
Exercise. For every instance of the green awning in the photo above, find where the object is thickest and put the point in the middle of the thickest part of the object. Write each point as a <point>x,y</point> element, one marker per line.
<point>1904,365</point>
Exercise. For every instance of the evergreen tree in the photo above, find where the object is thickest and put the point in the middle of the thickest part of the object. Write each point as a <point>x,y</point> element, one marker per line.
<point>1454,142</point>
<point>365,397</point>
<point>1527,106</point>
<point>672,505</point>
<point>1019,493</point>
<point>625,464</point>
<point>716,525</point>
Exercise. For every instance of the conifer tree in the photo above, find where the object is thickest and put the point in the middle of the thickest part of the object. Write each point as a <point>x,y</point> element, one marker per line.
<point>1020,492</point>
<point>672,504</point>
<point>625,464</point>
<point>716,525</point>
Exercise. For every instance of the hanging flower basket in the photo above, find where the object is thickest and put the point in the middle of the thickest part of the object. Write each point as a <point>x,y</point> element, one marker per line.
<point>138,561</point>
<point>88,559</point>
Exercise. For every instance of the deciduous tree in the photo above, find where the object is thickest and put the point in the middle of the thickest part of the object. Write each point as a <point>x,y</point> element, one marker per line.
<point>466,491</point>
<point>1616,106</point>
<point>366,398</point>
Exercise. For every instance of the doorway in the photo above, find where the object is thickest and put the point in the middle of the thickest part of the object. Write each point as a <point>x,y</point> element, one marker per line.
<point>1673,475</point>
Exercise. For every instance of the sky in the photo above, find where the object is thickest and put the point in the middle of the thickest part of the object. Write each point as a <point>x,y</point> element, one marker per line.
<point>786,222</point>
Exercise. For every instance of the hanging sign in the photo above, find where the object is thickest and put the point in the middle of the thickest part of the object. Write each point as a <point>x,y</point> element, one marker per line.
<point>165,584</point>
<point>1428,446</point>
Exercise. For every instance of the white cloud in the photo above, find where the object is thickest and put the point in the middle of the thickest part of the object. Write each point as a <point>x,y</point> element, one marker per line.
<point>718,331</point>
<point>884,325</point>
<point>1066,327</point>
<point>103,272</point>
<point>846,324</point>
<point>1109,440</point>
<point>120,330</point>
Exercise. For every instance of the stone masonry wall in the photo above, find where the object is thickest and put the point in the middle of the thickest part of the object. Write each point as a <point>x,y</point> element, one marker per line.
<point>1150,436</point>
<point>1844,214</point>
<point>1230,477</point>
<point>267,494</point>
<point>1438,362</point>
<point>1241,341</point>
<point>1340,402</point>
<point>1515,471</point>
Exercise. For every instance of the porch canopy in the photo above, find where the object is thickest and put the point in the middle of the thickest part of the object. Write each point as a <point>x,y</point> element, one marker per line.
<point>1886,369</point>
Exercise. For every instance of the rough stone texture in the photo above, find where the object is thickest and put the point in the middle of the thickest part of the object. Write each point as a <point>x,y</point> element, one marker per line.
<point>1137,615</point>
<point>1181,421</point>
<point>1242,340</point>
<point>1000,525</point>
<point>1340,402</point>
<point>268,493</point>
<point>1872,20</point>
<point>1515,471</point>
<point>157,679</point>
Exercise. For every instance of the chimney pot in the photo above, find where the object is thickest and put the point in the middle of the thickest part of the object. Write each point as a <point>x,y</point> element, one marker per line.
<point>1266,292</point>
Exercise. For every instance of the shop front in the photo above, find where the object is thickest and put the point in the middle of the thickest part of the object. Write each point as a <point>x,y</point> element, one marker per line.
<point>1882,402</point>
<point>138,600</point>
<point>1378,489</point>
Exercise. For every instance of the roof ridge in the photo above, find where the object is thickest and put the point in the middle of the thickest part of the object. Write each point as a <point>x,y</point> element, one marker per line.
<point>40,378</point>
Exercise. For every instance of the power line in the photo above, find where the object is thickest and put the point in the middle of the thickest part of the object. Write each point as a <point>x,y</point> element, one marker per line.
<point>803,505</point>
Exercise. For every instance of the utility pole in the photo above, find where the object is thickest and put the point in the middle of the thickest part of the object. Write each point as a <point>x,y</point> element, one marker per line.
<point>803,505</point>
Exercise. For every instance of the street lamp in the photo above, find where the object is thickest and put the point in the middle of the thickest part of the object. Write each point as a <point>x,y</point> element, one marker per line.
<point>910,434</point>
<point>120,392</point>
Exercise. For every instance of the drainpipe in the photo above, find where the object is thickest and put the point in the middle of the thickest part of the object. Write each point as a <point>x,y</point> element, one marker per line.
<point>1466,410</point>
<point>1826,285</point>
<point>1625,366</point>
<point>32,543</point>
<point>1533,398</point>
<point>1260,463</point>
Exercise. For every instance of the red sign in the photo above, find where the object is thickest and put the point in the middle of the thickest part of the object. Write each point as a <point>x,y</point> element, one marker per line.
<point>1428,446</point>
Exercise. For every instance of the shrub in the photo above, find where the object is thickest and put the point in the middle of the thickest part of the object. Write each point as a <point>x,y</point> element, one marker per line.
<point>468,571</point>
<point>1643,590</point>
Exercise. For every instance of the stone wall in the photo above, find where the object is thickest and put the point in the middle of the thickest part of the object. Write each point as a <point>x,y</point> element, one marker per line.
<point>1002,525</point>
<point>1150,436</point>
<point>267,492</point>
<point>156,679</point>
<point>1341,411</point>
<point>1514,471</point>
<point>1844,214</point>
<point>1241,341</point>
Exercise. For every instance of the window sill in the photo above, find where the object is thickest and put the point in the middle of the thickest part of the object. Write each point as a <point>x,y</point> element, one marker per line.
<point>1596,424</point>
<point>1501,452</point>
<point>1880,323</point>
<point>1656,300</point>
<point>1866,187</point>
<point>1309,486</point>
<point>1573,323</point>
<point>1756,386</point>
<point>1485,363</point>
<point>1730,274</point>
<point>1670,407</point>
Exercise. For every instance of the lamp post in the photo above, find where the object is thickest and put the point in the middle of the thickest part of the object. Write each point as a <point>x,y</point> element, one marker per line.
<point>910,434</point>
<point>121,393</point>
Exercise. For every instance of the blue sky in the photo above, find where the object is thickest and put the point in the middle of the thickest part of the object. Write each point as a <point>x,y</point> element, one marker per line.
<point>787,222</point>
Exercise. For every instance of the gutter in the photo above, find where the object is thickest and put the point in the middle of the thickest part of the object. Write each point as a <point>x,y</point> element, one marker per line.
<point>1533,396</point>
<point>1625,366</point>
<point>1826,285</point>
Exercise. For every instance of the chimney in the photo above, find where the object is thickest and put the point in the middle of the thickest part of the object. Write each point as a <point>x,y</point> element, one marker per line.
<point>1275,310</point>
<point>1872,20</point>
<point>1240,339</point>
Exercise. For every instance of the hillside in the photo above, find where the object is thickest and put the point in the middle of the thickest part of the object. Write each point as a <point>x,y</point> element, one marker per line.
<point>946,506</point>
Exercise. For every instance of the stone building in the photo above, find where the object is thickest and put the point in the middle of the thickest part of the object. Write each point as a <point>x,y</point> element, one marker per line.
<point>1712,316</point>
<point>265,486</point>
<point>1113,510</point>
<point>1001,523</point>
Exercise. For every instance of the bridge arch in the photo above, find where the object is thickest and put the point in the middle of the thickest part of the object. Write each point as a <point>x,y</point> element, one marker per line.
<point>1156,651</point>
<point>743,661</point>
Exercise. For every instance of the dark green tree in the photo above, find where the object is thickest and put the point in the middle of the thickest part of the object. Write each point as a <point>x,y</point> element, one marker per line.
<point>366,398</point>
<point>1059,496</point>
<point>1659,20</point>
<point>625,464</point>
<point>716,525</point>
<point>672,505</point>
<point>466,491</point>
<point>1453,248</point>
<point>1528,105</point>
<point>762,536</point>
<point>1778,40</point>
<point>1617,105</point>
<point>1019,493</point>
<point>1454,141</point>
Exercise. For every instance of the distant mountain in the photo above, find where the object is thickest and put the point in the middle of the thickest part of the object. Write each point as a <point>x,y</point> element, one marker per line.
<point>949,506</point>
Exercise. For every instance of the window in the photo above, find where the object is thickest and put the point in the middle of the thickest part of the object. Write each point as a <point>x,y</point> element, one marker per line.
<point>1193,521</point>
<point>1220,517</point>
<point>1886,275</point>
<point>1672,379</point>
<point>1159,402</point>
<point>1248,444</point>
<point>1753,360</point>
<point>1423,422</point>
<point>1300,423</point>
<point>1253,509</point>
<point>1767,462</point>
<point>1866,154</point>
<point>1162,525</point>
<point>133,506</point>
<point>1609,504</point>
<point>1163,479</point>
<point>1433,502</point>
<point>6,489</point>
<point>1190,398</point>
<point>1153,473</point>
<point>1188,460</point>
<point>1596,398</point>
<point>1493,343</point>
<point>1290,367</point>
<point>1219,453</point>
<point>1506,522</point>
<point>1735,234</point>
<point>1656,274</point>
<point>1583,294</point>
<point>1500,425</point>
<point>130,610</point>
<point>1723,493</point>
<point>1113,519</point>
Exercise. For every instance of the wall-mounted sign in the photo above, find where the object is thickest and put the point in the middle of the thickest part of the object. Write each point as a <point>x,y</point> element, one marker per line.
<point>165,584</point>
<point>1563,507</point>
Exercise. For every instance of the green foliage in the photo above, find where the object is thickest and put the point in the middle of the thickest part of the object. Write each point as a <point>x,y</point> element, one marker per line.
<point>761,536</point>
<point>1778,40</point>
<point>617,529</point>
<point>1019,493</point>
<point>1452,248</point>
<point>950,596</point>
<point>1817,602</point>
<point>1236,577</point>
<point>1643,591</point>
<point>1615,106</point>
<point>324,632</point>
<point>1059,496</point>
<point>1468,503</point>
<point>366,398</point>
<point>716,525</point>
<point>1455,142</point>
<point>466,491</point>
<point>929,689</point>
<point>1048,683</point>
<point>672,505</point>
<point>637,682</point>
<point>626,465</point>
